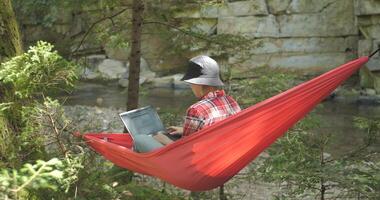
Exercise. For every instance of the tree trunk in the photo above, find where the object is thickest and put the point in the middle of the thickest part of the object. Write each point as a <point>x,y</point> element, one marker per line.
<point>322,181</point>
<point>10,40</point>
<point>10,46</point>
<point>134,59</point>
<point>222,195</point>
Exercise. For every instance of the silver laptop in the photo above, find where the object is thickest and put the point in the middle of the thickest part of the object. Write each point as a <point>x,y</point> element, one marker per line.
<point>144,121</point>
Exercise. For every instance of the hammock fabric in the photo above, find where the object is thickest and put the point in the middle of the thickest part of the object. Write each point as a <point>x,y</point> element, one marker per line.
<point>212,156</point>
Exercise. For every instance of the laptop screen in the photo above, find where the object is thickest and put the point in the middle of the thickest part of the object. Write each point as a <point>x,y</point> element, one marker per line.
<point>142,121</point>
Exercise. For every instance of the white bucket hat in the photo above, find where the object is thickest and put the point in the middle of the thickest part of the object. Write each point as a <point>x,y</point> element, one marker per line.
<point>203,70</point>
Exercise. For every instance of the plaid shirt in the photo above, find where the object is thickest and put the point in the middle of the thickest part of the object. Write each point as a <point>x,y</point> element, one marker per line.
<point>213,107</point>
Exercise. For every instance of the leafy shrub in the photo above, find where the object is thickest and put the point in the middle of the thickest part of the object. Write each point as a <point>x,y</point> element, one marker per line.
<point>40,179</point>
<point>39,70</point>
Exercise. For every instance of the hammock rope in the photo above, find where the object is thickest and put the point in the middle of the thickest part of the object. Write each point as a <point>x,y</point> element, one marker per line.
<point>213,155</point>
<point>372,54</point>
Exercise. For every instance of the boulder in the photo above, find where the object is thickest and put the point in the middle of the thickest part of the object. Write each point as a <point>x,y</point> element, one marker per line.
<point>93,61</point>
<point>124,82</point>
<point>178,84</point>
<point>112,69</point>
<point>118,53</point>
<point>370,92</point>
<point>89,74</point>
<point>146,74</point>
<point>163,82</point>
<point>145,70</point>
<point>172,81</point>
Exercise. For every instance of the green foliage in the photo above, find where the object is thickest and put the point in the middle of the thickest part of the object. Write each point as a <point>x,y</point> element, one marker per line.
<point>40,175</point>
<point>103,180</point>
<point>265,84</point>
<point>45,134</point>
<point>24,77</point>
<point>39,70</point>
<point>46,127</point>
<point>360,177</point>
<point>141,192</point>
<point>295,160</point>
<point>302,167</point>
<point>48,12</point>
<point>44,177</point>
<point>371,126</point>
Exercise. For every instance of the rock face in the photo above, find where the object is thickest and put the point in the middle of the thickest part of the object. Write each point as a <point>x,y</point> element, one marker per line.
<point>101,67</point>
<point>146,75</point>
<point>331,18</point>
<point>367,7</point>
<point>244,8</point>
<point>254,26</point>
<point>292,34</point>
<point>368,18</point>
<point>112,69</point>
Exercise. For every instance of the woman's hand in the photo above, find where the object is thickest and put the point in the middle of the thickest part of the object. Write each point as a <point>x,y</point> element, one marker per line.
<point>175,130</point>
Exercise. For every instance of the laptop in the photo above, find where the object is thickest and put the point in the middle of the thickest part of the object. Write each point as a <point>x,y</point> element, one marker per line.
<point>144,121</point>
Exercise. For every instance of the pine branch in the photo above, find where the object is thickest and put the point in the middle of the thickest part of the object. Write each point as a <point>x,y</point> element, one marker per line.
<point>93,26</point>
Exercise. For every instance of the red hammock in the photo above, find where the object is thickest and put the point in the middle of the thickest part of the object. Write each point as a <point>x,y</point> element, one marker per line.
<point>215,154</point>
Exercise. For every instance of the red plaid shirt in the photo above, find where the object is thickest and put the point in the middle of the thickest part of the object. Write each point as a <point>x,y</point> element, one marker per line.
<point>213,107</point>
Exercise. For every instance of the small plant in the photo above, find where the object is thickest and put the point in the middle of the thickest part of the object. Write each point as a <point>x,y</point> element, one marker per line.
<point>14,183</point>
<point>301,166</point>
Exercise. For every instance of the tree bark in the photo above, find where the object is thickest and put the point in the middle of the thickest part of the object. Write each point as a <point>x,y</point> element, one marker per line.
<point>134,59</point>
<point>10,46</point>
<point>10,40</point>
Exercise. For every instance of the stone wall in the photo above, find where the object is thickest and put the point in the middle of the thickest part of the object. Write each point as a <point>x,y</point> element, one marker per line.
<point>294,34</point>
<point>368,17</point>
<point>368,20</point>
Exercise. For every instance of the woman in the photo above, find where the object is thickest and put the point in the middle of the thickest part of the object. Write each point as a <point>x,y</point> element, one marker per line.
<point>213,105</point>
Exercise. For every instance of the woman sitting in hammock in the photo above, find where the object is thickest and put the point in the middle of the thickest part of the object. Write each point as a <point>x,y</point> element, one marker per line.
<point>213,105</point>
